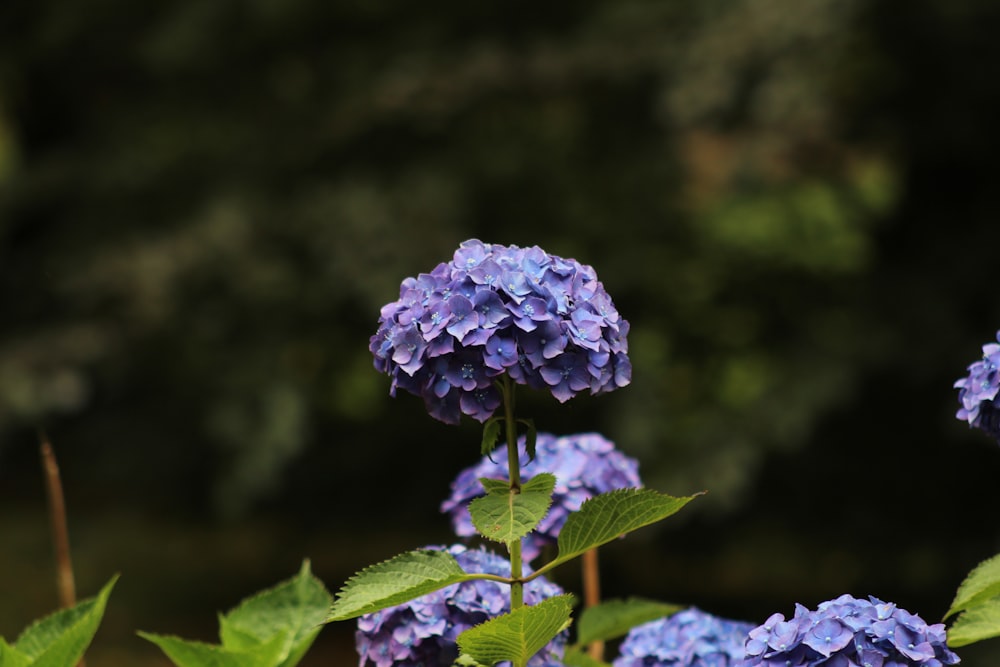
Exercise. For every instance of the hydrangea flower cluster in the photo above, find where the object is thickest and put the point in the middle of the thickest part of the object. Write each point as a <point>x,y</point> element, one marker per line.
<point>584,465</point>
<point>545,321</point>
<point>689,638</point>
<point>849,631</point>
<point>424,632</point>
<point>978,392</point>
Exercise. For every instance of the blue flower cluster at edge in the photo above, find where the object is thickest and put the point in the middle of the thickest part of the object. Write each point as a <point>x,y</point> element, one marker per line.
<point>978,392</point>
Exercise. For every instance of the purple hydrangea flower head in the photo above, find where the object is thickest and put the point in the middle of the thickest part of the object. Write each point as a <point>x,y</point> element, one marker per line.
<point>545,321</point>
<point>584,465</point>
<point>849,631</point>
<point>424,632</point>
<point>689,638</point>
<point>978,392</point>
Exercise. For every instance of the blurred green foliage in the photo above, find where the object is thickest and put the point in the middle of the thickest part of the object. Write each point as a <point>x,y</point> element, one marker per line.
<point>219,219</point>
<point>203,206</point>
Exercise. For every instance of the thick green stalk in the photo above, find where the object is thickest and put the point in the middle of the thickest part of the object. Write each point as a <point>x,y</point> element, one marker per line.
<point>514,470</point>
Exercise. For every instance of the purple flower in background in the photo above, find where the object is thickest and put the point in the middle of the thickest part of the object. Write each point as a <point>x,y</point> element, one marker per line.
<point>849,631</point>
<point>978,392</point>
<point>544,320</point>
<point>584,465</point>
<point>424,632</point>
<point>690,638</point>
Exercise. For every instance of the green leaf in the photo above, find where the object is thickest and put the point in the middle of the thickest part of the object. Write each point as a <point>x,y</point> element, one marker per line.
<point>397,580</point>
<point>273,628</point>
<point>518,635</point>
<point>576,657</point>
<point>979,622</point>
<point>982,584</point>
<point>607,516</point>
<point>614,618</point>
<point>507,516</point>
<point>186,653</point>
<point>11,657</point>
<point>60,639</point>
<point>530,438</point>
<point>498,486</point>
<point>297,607</point>
<point>234,638</point>
<point>491,433</point>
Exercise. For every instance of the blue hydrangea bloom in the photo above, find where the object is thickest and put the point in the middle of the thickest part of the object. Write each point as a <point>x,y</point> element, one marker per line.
<point>424,632</point>
<point>584,465</point>
<point>978,392</point>
<point>545,321</point>
<point>689,638</point>
<point>849,631</point>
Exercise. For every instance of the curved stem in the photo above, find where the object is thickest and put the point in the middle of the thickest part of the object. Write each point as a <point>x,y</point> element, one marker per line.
<point>60,533</point>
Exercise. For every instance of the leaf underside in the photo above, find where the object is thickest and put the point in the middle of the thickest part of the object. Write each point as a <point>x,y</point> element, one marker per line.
<point>491,433</point>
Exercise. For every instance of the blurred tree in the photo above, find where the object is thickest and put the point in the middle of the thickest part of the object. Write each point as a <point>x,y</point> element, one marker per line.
<point>206,227</point>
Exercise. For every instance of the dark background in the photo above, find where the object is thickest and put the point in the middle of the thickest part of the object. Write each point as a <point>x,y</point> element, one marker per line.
<point>204,204</point>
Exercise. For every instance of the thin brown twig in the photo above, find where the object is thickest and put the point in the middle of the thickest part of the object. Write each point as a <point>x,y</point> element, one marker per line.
<point>592,595</point>
<point>60,532</point>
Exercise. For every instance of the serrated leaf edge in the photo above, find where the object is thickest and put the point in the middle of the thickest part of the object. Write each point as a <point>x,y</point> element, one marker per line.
<point>399,596</point>
<point>564,555</point>
<point>983,594</point>
<point>541,485</point>
<point>301,582</point>
<point>566,599</point>
<point>967,618</point>
<point>99,600</point>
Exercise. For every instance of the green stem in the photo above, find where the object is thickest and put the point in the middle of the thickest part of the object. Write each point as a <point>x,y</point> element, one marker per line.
<point>514,469</point>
